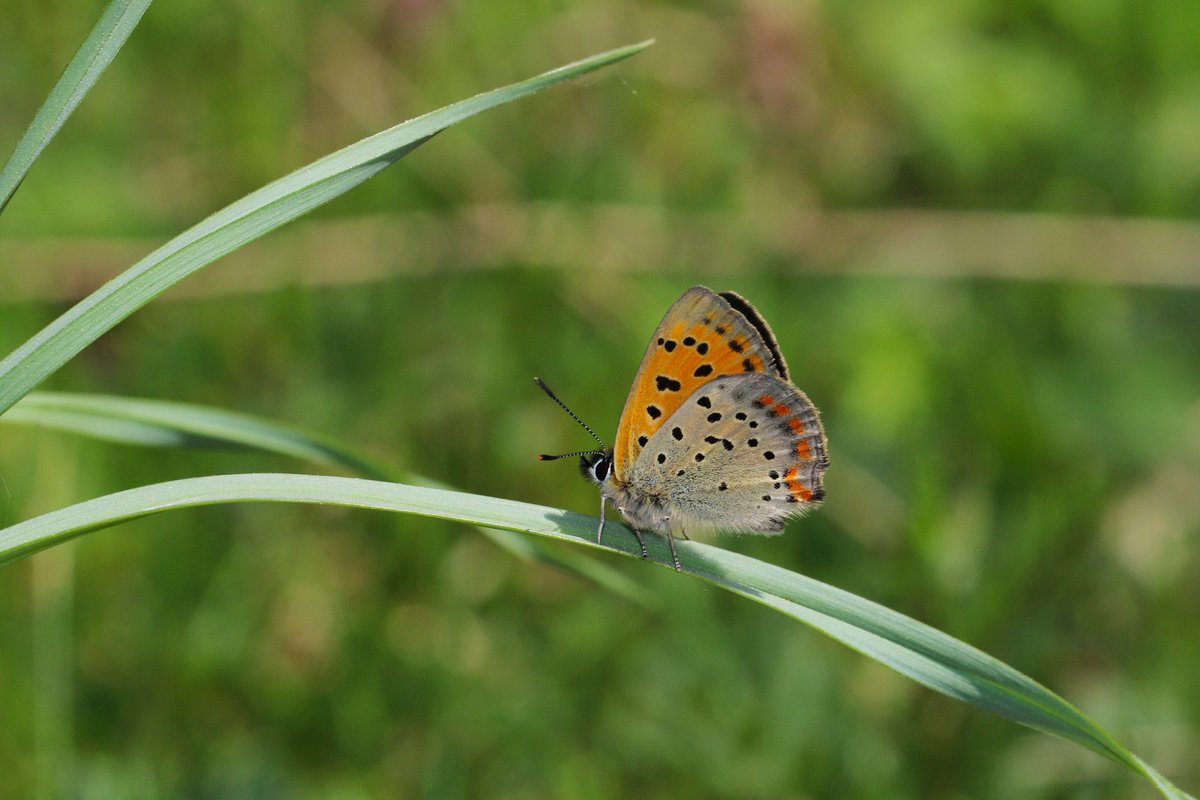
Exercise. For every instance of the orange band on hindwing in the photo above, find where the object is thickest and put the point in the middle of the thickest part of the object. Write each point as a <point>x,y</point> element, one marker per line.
<point>798,491</point>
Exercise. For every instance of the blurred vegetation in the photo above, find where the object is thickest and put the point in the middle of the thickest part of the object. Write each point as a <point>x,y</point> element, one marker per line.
<point>969,224</point>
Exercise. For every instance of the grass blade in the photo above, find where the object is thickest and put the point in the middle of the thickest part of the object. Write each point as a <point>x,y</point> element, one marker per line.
<point>924,654</point>
<point>164,423</point>
<point>247,219</point>
<point>160,423</point>
<point>84,69</point>
<point>915,650</point>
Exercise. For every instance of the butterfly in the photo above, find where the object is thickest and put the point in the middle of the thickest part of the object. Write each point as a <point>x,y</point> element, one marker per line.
<point>713,436</point>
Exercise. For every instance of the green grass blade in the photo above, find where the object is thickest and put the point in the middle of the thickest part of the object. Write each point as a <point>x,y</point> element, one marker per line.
<point>84,69</point>
<point>161,423</point>
<point>247,219</point>
<point>910,647</point>
<point>924,654</point>
<point>164,423</point>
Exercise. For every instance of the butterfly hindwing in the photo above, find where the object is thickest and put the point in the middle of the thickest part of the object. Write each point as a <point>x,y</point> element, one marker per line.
<point>703,336</point>
<point>742,453</point>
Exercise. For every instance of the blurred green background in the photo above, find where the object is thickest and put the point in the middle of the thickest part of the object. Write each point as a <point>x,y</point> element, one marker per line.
<point>971,225</point>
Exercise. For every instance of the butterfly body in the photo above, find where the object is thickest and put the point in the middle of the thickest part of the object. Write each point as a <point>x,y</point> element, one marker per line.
<point>713,435</point>
<point>725,470</point>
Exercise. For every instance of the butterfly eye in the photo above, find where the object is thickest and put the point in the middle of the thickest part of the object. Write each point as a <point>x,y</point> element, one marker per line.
<point>600,468</point>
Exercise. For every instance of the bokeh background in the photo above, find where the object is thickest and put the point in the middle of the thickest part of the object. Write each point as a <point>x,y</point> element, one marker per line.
<point>972,226</point>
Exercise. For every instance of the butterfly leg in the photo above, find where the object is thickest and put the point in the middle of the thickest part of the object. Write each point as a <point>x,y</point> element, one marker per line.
<point>674,554</point>
<point>636,532</point>
<point>600,530</point>
<point>642,542</point>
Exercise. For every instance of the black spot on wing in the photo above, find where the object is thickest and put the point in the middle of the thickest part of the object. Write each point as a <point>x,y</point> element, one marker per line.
<point>742,306</point>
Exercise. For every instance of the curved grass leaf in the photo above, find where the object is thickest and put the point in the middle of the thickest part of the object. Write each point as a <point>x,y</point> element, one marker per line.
<point>161,423</point>
<point>247,219</point>
<point>165,423</point>
<point>917,651</point>
<point>84,69</point>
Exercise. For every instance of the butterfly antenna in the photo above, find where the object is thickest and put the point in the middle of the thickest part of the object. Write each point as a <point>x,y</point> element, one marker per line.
<point>542,385</point>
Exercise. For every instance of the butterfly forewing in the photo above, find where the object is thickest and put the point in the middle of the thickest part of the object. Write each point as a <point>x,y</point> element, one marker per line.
<point>702,337</point>
<point>742,453</point>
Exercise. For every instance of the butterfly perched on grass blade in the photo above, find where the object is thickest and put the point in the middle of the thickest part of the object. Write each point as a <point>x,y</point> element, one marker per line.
<point>713,436</point>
